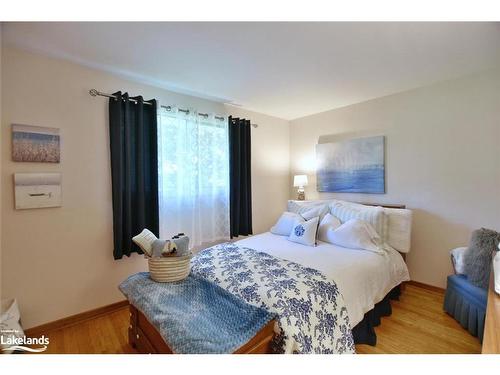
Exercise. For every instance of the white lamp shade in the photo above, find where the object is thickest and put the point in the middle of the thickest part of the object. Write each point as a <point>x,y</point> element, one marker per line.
<point>300,180</point>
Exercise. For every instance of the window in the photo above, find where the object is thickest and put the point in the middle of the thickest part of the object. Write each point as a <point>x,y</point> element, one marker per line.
<point>193,176</point>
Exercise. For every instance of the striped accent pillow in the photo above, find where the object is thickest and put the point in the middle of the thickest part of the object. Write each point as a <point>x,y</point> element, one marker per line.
<point>299,207</point>
<point>376,216</point>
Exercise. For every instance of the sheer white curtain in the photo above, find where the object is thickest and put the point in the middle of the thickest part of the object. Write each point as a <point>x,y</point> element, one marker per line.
<point>193,176</point>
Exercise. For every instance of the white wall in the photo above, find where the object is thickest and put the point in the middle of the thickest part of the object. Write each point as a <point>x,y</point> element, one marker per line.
<point>58,261</point>
<point>1,185</point>
<point>442,161</point>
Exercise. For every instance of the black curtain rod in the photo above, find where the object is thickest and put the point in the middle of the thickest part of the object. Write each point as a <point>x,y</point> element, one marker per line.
<point>94,92</point>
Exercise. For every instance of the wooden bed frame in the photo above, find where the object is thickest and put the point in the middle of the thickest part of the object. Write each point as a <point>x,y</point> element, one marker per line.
<point>146,339</point>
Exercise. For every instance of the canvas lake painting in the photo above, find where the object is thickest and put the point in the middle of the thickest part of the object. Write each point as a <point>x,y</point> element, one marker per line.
<point>35,144</point>
<point>351,166</point>
<point>37,190</point>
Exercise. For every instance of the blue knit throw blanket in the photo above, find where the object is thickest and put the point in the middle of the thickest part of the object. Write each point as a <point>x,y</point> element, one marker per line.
<point>195,315</point>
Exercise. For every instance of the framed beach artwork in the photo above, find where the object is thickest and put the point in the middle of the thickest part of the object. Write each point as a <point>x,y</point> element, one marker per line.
<point>351,166</point>
<point>37,190</point>
<point>35,144</point>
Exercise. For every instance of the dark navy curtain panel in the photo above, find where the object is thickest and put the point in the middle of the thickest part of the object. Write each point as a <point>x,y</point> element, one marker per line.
<point>240,177</point>
<point>134,170</point>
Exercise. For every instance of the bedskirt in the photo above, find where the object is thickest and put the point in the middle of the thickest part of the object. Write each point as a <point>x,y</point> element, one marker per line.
<point>364,332</point>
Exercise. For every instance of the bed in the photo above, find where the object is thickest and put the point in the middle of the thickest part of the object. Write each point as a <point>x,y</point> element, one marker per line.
<point>358,282</point>
<point>364,278</point>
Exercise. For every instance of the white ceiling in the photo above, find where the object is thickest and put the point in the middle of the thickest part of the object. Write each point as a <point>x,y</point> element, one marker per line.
<point>288,70</point>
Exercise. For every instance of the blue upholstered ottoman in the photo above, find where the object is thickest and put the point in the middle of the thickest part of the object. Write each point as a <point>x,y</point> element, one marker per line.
<point>466,303</point>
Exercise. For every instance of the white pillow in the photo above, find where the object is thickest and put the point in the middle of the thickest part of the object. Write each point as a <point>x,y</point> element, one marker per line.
<point>328,222</point>
<point>312,212</point>
<point>304,232</point>
<point>356,234</point>
<point>308,208</point>
<point>300,206</point>
<point>145,241</point>
<point>375,216</point>
<point>284,225</point>
<point>458,257</point>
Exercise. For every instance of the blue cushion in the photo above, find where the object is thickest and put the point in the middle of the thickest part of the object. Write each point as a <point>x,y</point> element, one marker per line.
<point>477,295</point>
<point>466,303</point>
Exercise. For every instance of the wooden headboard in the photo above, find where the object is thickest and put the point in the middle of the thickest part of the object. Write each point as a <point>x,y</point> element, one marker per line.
<point>401,206</point>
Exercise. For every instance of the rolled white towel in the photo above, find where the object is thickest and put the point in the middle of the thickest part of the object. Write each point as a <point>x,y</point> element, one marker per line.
<point>145,241</point>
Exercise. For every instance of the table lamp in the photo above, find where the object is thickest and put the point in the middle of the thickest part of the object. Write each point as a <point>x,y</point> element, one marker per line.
<point>300,181</point>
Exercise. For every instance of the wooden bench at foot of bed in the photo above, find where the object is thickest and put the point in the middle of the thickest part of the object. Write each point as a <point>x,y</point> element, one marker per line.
<point>147,340</point>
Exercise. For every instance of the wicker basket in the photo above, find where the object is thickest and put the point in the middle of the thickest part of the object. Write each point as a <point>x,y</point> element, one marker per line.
<point>169,269</point>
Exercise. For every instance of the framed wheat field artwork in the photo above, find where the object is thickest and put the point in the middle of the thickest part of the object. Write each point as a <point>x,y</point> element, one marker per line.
<point>35,144</point>
<point>351,166</point>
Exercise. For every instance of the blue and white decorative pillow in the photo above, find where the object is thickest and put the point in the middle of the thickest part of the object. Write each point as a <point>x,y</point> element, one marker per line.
<point>304,232</point>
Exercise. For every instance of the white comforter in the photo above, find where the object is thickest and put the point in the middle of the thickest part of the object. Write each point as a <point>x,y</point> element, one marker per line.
<point>363,277</point>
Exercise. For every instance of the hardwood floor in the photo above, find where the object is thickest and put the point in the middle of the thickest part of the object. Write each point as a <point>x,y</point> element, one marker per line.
<point>107,334</point>
<point>417,325</point>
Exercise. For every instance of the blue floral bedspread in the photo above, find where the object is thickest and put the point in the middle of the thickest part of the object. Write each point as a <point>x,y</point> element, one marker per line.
<point>312,316</point>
